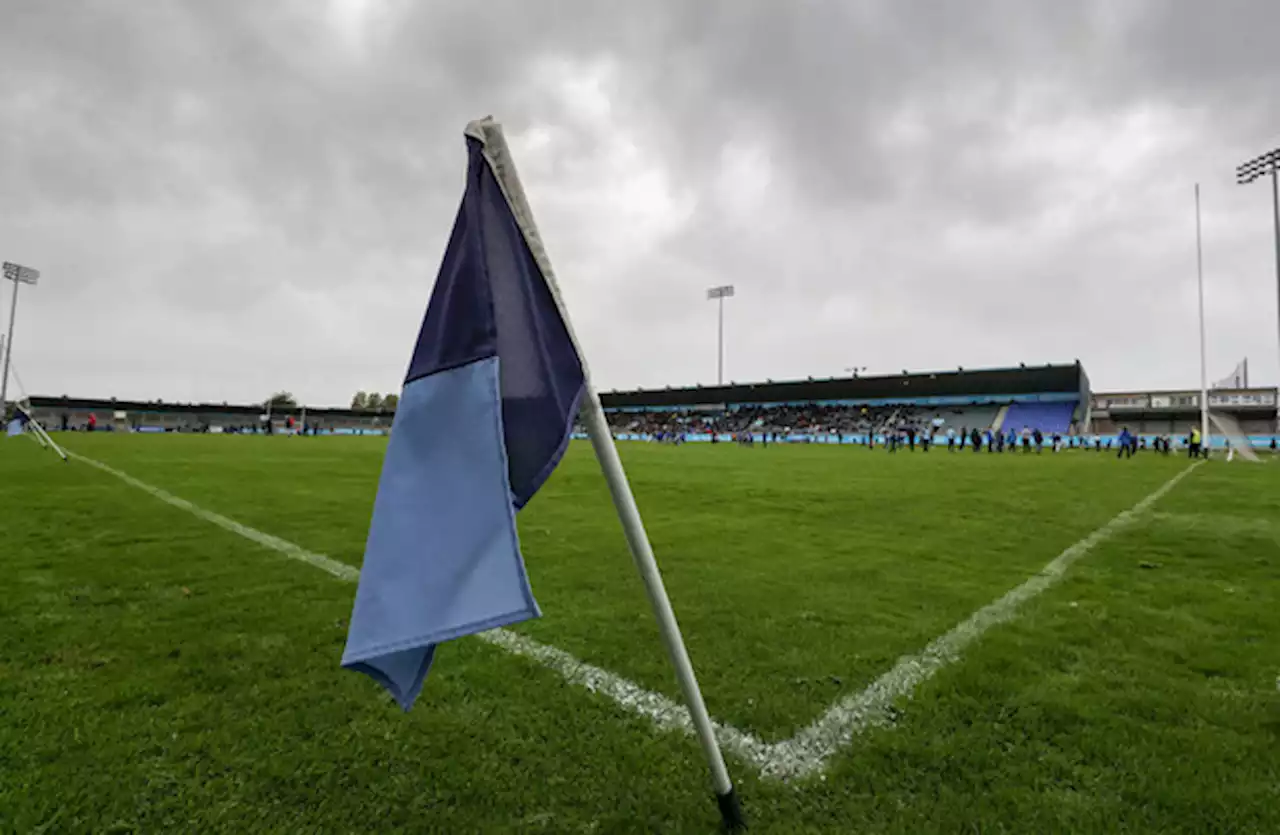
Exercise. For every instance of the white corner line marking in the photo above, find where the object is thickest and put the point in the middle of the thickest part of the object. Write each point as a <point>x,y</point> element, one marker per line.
<point>807,752</point>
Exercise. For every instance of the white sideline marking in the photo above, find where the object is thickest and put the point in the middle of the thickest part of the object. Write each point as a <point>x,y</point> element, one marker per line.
<point>807,752</point>
<point>337,569</point>
<point>663,712</point>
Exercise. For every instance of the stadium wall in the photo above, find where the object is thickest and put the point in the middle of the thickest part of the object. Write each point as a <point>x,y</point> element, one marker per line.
<point>1095,413</point>
<point>1045,383</point>
<point>1261,442</point>
<point>157,416</point>
<point>970,386</point>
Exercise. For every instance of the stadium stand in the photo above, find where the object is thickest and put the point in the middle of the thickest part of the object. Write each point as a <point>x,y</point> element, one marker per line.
<point>1052,398</point>
<point>72,414</point>
<point>854,409</point>
<point>1174,413</point>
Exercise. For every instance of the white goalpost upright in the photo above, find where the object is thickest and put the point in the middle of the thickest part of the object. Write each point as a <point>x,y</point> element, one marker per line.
<point>1204,371</point>
<point>1232,433</point>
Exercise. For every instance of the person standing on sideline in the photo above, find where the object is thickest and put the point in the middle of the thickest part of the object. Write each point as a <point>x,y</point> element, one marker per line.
<point>1126,444</point>
<point>1193,443</point>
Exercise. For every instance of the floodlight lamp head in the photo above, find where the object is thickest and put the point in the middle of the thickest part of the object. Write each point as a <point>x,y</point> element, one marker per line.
<point>1268,163</point>
<point>20,274</point>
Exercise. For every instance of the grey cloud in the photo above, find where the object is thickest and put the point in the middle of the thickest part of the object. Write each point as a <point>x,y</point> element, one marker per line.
<point>255,192</point>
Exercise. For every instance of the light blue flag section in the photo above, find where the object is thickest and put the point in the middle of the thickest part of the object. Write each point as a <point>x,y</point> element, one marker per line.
<point>486,412</point>
<point>17,425</point>
<point>448,559</point>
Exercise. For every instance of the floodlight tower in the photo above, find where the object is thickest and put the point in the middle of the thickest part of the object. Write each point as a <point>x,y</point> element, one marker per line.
<point>1268,163</point>
<point>720,293</point>
<point>18,274</point>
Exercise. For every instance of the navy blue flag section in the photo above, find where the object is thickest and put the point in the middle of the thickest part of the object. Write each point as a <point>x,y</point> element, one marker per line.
<point>494,384</point>
<point>484,417</point>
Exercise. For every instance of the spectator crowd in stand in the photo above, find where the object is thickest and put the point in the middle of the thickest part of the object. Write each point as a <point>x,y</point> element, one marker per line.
<point>781,421</point>
<point>892,427</point>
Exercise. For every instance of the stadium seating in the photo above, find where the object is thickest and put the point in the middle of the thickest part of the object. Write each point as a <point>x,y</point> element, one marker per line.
<point>1258,426</point>
<point>1160,426</point>
<point>960,417</point>
<point>806,420</point>
<point>1047,417</point>
<point>196,420</point>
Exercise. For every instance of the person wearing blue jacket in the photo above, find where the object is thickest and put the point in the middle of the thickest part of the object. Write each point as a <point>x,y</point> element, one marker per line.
<point>1126,444</point>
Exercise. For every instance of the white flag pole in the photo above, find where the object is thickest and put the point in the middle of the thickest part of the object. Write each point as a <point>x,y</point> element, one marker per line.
<point>42,436</point>
<point>39,431</point>
<point>489,133</point>
<point>1204,372</point>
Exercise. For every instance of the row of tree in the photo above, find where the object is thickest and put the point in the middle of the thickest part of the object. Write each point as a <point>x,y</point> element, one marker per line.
<point>374,402</point>
<point>283,401</point>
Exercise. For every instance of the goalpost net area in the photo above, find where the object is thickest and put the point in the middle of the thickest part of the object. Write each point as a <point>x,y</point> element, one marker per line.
<point>1238,442</point>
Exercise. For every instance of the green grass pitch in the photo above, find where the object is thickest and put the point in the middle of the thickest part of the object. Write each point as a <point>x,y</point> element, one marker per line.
<point>161,674</point>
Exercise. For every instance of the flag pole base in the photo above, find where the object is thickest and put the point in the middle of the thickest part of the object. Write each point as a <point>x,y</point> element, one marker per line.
<point>731,811</point>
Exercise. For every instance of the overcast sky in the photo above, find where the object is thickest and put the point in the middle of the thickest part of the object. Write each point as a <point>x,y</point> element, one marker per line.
<point>229,198</point>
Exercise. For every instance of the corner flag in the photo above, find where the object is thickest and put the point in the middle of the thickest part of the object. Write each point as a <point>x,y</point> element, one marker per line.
<point>494,384</point>
<point>484,417</point>
<point>17,424</point>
